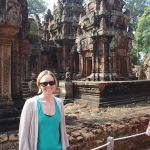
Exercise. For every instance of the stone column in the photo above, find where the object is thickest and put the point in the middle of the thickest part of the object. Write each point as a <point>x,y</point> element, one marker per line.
<point>39,62</point>
<point>27,66</point>
<point>80,64</point>
<point>7,34</point>
<point>59,60</point>
<point>114,61</point>
<point>23,48</point>
<point>65,54</point>
<point>128,63</point>
<point>93,64</point>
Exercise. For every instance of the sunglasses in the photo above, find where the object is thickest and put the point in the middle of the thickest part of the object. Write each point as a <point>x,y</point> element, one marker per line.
<point>44,84</point>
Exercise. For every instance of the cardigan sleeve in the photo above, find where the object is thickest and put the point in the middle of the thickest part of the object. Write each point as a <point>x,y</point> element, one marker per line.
<point>63,128</point>
<point>24,126</point>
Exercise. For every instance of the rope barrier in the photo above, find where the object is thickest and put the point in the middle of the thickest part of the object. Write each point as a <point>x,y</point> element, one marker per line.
<point>101,146</point>
<point>110,141</point>
<point>117,139</point>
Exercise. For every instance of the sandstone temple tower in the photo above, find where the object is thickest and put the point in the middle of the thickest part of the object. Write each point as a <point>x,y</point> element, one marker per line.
<point>61,30</point>
<point>13,47</point>
<point>93,40</point>
<point>104,40</point>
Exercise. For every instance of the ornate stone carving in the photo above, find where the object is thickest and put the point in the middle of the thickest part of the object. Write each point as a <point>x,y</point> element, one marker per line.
<point>91,44</point>
<point>79,31</point>
<point>10,4</point>
<point>109,4</point>
<point>37,20</point>
<point>91,6</point>
<point>6,71</point>
<point>103,26</point>
<point>102,5</point>
<point>84,44</point>
<point>13,14</point>
<point>121,52</point>
<point>1,60</point>
<point>48,16</point>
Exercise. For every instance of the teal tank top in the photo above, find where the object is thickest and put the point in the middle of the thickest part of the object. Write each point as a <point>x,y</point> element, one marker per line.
<point>48,129</point>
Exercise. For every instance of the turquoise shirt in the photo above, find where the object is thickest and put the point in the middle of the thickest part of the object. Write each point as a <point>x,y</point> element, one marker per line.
<point>49,129</point>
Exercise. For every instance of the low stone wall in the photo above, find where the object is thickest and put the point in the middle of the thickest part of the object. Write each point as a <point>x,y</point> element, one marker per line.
<point>87,135</point>
<point>106,93</point>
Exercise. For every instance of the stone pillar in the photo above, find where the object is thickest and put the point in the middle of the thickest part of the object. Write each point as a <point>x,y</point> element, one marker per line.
<point>27,66</point>
<point>128,63</point>
<point>114,65</point>
<point>7,34</point>
<point>23,48</point>
<point>66,91</point>
<point>59,60</point>
<point>84,67</point>
<point>65,55</point>
<point>5,79</point>
<point>39,66</point>
<point>114,62</point>
<point>80,64</point>
<point>93,64</point>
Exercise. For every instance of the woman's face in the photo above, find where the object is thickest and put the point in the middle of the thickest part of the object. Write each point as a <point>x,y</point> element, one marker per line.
<point>47,84</point>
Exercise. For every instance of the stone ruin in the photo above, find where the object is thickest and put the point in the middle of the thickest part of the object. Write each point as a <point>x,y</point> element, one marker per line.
<point>93,40</point>
<point>142,72</point>
<point>14,32</point>
<point>146,66</point>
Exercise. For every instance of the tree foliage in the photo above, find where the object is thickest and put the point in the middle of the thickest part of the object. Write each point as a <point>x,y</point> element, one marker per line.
<point>33,28</point>
<point>37,6</point>
<point>141,41</point>
<point>142,35</point>
<point>136,8</point>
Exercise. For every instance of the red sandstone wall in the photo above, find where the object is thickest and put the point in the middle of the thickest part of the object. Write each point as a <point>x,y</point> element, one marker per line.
<point>87,135</point>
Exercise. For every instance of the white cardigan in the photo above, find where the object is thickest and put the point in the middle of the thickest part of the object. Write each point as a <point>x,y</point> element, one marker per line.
<point>28,128</point>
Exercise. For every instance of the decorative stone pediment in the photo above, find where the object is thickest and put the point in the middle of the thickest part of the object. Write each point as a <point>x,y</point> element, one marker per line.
<point>7,33</point>
<point>86,44</point>
<point>91,6</point>
<point>53,26</point>
<point>13,16</point>
<point>87,21</point>
<point>121,52</point>
<point>24,46</point>
<point>38,22</point>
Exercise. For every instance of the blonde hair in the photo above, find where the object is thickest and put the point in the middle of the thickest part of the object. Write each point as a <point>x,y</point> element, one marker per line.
<point>41,75</point>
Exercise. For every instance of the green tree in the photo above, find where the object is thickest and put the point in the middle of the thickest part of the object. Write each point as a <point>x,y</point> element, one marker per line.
<point>33,28</point>
<point>37,6</point>
<point>141,41</point>
<point>136,8</point>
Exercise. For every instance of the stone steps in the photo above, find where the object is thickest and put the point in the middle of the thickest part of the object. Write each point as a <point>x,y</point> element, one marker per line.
<point>9,118</point>
<point>9,124</point>
<point>25,89</point>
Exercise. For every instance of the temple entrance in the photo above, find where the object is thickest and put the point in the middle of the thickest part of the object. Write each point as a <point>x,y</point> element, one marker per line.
<point>121,66</point>
<point>88,66</point>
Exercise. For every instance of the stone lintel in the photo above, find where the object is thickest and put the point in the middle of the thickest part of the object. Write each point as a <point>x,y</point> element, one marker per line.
<point>9,30</point>
<point>23,46</point>
<point>7,34</point>
<point>6,102</point>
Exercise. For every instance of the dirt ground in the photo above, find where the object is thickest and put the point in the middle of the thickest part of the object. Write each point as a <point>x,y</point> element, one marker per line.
<point>84,112</point>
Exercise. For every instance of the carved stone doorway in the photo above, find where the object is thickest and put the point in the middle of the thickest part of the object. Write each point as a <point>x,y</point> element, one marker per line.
<point>88,66</point>
<point>121,66</point>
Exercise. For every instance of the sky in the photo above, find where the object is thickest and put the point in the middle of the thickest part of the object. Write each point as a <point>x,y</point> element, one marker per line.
<point>51,3</point>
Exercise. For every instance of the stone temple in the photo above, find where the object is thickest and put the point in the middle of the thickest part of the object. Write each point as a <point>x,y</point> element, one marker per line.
<point>90,39</point>
<point>95,39</point>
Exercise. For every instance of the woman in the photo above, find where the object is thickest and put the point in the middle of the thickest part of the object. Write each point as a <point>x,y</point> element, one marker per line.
<point>42,122</point>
